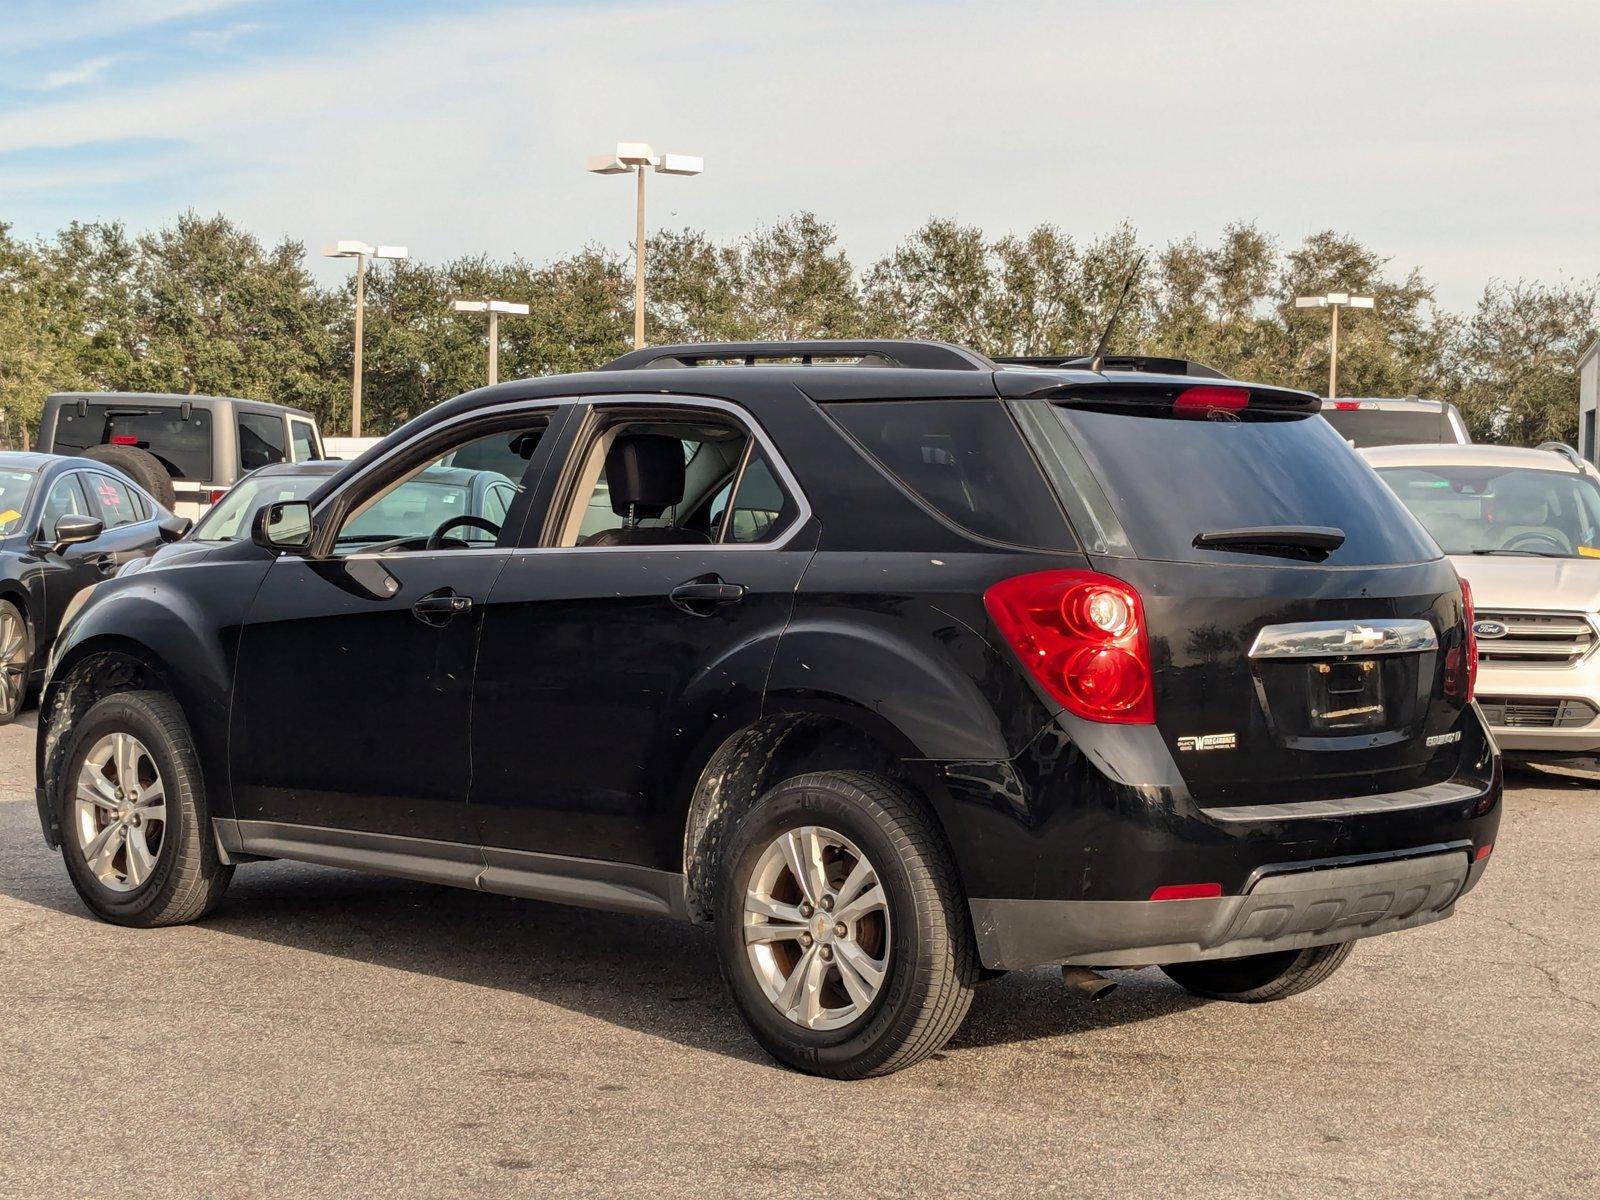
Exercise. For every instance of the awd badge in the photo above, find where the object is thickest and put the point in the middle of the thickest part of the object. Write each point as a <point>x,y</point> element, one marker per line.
<point>1208,741</point>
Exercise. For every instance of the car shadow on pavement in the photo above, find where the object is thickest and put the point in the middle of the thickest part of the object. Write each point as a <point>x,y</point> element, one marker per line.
<point>653,975</point>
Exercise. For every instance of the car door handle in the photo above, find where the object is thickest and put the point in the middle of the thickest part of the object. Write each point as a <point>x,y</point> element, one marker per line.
<point>700,596</point>
<point>436,608</point>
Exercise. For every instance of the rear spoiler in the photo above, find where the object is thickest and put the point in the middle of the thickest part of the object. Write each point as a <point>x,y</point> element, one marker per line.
<point>1142,363</point>
<point>1195,399</point>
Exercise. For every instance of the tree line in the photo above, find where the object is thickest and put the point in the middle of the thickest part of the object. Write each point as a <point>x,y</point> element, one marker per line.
<point>203,306</point>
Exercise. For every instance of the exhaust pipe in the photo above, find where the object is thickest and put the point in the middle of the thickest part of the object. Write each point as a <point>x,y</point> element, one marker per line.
<point>1091,985</point>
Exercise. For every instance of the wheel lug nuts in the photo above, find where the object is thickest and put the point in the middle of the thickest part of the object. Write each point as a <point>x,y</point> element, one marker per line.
<point>839,930</point>
<point>827,903</point>
<point>805,939</point>
<point>827,954</point>
<point>806,910</point>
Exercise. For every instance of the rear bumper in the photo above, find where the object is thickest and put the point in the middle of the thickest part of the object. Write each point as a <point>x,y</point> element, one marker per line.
<point>1284,908</point>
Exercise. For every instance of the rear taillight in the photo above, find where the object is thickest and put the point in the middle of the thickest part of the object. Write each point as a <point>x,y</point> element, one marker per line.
<point>1082,635</point>
<point>124,439</point>
<point>1197,401</point>
<point>1461,663</point>
<point>1346,405</point>
<point>215,494</point>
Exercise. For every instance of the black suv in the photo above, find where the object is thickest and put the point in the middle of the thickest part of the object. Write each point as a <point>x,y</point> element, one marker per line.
<point>898,665</point>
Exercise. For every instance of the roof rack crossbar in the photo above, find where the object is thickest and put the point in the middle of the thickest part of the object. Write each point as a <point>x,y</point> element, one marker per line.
<point>1566,452</point>
<point>919,355</point>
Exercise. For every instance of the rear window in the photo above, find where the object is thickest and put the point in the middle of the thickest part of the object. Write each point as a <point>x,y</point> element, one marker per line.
<point>1167,479</point>
<point>1387,426</point>
<point>964,458</point>
<point>183,447</point>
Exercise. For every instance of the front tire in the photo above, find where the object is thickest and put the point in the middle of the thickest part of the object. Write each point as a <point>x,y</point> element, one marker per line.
<point>841,928</point>
<point>1258,978</point>
<point>135,833</point>
<point>16,661</point>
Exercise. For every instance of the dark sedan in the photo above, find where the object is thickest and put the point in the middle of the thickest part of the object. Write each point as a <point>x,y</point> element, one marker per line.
<point>65,524</point>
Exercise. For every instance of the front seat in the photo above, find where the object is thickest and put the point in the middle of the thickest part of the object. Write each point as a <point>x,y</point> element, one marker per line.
<point>644,472</point>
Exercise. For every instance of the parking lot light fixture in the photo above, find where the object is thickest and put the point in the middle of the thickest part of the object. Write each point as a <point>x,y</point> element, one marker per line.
<point>636,157</point>
<point>494,308</point>
<point>362,253</point>
<point>1335,301</point>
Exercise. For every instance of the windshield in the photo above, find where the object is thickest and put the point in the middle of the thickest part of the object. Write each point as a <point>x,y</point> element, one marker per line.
<point>14,489</point>
<point>229,518</point>
<point>1500,510</point>
<point>1387,426</point>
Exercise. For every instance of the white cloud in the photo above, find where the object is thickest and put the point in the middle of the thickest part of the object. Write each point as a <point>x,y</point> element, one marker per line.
<point>57,21</point>
<point>1440,132</point>
<point>78,73</point>
<point>215,39</point>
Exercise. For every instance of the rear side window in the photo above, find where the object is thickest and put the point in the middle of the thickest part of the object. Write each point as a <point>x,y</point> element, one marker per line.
<point>304,440</point>
<point>114,500</point>
<point>1169,479</point>
<point>261,441</point>
<point>966,459</point>
<point>182,447</point>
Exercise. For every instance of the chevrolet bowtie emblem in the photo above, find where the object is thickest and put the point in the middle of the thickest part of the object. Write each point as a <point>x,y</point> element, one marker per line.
<point>1364,637</point>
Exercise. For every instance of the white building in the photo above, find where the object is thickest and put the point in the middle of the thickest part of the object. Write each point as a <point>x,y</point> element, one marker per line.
<point>1588,400</point>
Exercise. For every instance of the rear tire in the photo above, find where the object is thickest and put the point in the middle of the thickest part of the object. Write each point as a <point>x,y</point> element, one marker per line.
<point>131,778</point>
<point>141,466</point>
<point>895,962</point>
<point>1258,978</point>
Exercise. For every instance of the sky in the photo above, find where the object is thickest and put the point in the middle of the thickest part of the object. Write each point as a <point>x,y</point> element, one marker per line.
<point>1454,136</point>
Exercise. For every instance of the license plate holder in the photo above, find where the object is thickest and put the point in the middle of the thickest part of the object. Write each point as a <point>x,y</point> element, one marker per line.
<point>1347,697</point>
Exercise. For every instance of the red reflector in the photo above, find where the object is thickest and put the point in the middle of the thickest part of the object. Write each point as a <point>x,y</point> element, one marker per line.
<point>215,494</point>
<point>1346,405</point>
<point>1187,891</point>
<point>124,439</point>
<point>1081,635</point>
<point>1483,852</point>
<point>1204,399</point>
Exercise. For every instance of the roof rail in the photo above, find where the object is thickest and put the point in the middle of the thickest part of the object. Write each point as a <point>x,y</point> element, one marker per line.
<point>1566,452</point>
<point>1144,363</point>
<point>869,352</point>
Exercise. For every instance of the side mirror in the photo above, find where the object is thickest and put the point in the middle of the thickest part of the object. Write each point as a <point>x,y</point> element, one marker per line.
<point>173,528</point>
<point>284,526</point>
<point>73,530</point>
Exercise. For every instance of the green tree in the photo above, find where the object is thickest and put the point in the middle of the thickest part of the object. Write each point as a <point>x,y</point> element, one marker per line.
<point>794,281</point>
<point>935,284</point>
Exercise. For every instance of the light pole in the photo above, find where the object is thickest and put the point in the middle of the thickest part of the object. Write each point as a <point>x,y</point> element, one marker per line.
<point>635,157</point>
<point>494,308</point>
<point>361,252</point>
<point>1335,301</point>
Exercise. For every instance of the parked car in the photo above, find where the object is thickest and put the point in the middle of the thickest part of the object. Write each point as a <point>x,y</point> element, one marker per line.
<point>186,451</point>
<point>1523,530</point>
<point>896,676</point>
<point>1395,422</point>
<point>65,524</point>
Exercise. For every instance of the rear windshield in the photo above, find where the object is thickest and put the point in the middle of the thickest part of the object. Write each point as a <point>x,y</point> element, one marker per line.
<point>1168,479</point>
<point>964,458</point>
<point>183,447</point>
<point>1387,426</point>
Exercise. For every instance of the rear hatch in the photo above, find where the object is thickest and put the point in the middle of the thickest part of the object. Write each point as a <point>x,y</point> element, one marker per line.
<point>1306,636</point>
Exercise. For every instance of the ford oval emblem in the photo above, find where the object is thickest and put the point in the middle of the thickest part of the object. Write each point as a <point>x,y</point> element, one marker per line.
<point>1490,629</point>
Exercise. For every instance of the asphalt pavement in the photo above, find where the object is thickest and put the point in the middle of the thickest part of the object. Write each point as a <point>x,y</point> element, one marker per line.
<point>333,1034</point>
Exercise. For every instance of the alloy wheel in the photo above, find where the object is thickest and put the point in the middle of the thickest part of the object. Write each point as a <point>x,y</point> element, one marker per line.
<point>120,811</point>
<point>13,661</point>
<point>816,928</point>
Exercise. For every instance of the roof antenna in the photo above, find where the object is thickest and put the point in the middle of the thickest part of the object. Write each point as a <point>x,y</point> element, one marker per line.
<point>1098,359</point>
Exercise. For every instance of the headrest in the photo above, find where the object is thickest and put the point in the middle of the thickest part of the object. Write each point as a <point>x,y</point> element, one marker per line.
<point>644,471</point>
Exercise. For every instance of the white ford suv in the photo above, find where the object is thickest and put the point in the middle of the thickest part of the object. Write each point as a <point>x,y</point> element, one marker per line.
<point>1523,529</point>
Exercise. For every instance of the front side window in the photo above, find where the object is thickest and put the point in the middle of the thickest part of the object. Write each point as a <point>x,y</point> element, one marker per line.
<point>113,499</point>
<point>439,505</point>
<point>66,499</point>
<point>303,440</point>
<point>663,480</point>
<point>260,441</point>
<point>1495,510</point>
